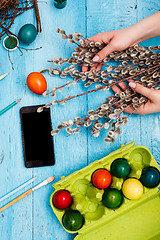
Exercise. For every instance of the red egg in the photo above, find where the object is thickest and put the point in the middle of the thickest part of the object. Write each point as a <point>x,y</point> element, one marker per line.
<point>62,199</point>
<point>101,178</point>
<point>36,82</point>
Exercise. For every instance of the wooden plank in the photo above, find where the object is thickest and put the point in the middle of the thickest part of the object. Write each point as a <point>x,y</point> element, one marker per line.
<point>17,220</point>
<point>70,152</point>
<point>150,134</point>
<point>109,16</point>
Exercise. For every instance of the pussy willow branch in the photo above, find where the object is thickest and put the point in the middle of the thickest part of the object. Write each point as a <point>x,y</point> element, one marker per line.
<point>144,68</point>
<point>110,85</point>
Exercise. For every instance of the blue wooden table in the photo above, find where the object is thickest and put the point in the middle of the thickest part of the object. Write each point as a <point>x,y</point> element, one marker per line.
<point>32,218</point>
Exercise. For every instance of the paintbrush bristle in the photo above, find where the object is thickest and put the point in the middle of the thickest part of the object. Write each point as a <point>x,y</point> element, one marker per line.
<point>50,179</point>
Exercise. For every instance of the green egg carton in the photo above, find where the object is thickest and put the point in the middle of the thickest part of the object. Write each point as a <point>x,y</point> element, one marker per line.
<point>133,220</point>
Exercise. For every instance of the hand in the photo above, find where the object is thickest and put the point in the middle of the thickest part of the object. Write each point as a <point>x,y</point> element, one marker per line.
<point>153,103</point>
<point>115,41</point>
<point>118,40</point>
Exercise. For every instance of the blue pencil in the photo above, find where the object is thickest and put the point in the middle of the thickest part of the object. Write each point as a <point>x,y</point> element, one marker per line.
<point>9,107</point>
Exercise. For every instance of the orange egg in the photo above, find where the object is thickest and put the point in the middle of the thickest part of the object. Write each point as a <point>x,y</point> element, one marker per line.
<point>101,178</point>
<point>36,82</point>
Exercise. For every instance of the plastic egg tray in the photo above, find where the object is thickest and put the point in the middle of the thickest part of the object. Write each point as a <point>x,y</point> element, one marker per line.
<point>134,219</point>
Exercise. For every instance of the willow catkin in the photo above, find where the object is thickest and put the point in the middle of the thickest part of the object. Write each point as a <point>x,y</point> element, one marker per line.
<point>141,64</point>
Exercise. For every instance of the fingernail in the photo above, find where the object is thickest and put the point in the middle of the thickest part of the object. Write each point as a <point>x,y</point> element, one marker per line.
<point>132,85</point>
<point>96,58</point>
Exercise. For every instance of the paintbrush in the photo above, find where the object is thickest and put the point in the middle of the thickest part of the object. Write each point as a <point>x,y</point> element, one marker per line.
<point>45,182</point>
<point>3,76</point>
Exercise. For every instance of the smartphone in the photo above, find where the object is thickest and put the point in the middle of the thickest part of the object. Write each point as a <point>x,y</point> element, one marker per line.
<point>37,140</point>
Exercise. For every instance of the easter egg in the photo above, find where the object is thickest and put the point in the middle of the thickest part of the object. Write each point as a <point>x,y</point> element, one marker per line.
<point>112,198</point>
<point>132,188</point>
<point>101,178</point>
<point>36,82</point>
<point>72,220</point>
<point>120,168</point>
<point>10,42</point>
<point>62,199</point>
<point>150,177</point>
<point>27,33</point>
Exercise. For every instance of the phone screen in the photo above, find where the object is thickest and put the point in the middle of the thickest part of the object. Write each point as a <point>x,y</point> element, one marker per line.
<point>37,139</point>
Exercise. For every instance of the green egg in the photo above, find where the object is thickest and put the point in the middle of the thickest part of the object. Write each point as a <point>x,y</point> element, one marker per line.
<point>150,177</point>
<point>120,168</point>
<point>27,33</point>
<point>112,198</point>
<point>73,220</point>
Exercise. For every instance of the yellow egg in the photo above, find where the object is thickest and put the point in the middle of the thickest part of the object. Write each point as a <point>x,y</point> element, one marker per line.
<point>132,188</point>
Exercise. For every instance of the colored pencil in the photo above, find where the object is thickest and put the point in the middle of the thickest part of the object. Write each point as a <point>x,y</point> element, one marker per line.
<point>17,189</point>
<point>3,76</point>
<point>9,107</point>
<point>45,182</point>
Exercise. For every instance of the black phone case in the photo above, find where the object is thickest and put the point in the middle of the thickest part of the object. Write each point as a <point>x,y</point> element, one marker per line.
<point>33,109</point>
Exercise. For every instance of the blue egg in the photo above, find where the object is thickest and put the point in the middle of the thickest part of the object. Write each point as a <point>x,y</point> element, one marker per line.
<point>27,33</point>
<point>150,177</point>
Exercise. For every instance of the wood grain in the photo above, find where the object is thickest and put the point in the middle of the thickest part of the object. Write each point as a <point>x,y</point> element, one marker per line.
<point>33,218</point>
